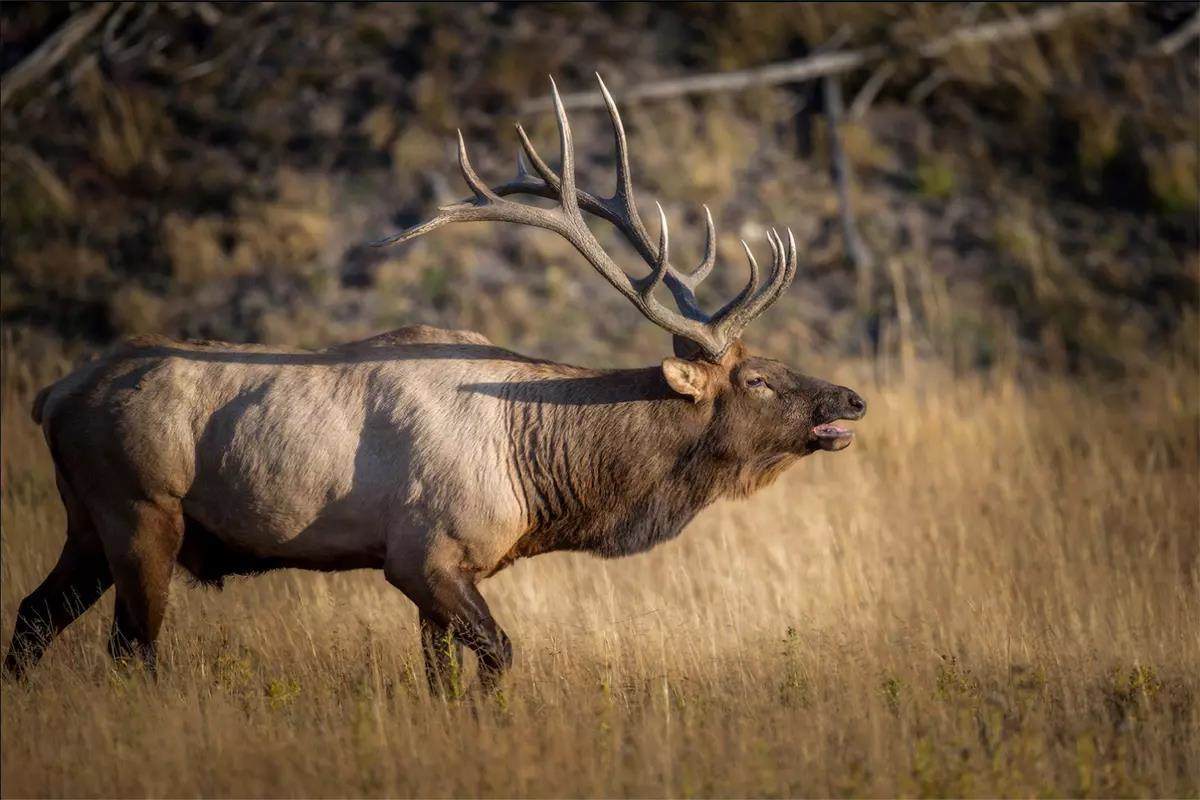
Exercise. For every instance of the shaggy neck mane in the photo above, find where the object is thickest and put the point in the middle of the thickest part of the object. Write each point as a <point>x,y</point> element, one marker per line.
<point>614,462</point>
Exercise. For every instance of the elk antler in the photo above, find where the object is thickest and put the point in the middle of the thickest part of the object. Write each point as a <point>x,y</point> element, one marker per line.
<point>714,333</point>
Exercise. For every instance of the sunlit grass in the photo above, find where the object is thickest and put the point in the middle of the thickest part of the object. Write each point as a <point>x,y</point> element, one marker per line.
<point>993,592</point>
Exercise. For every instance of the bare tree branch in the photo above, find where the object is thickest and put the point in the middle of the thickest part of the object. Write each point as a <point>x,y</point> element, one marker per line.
<point>41,172</point>
<point>1175,41</point>
<point>785,72</point>
<point>823,64</point>
<point>856,251</point>
<point>928,85</point>
<point>866,95</point>
<point>1040,21</point>
<point>57,47</point>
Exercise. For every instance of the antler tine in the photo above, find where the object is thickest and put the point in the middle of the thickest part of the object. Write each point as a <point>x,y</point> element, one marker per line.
<point>483,207</point>
<point>481,190</point>
<point>651,281</point>
<point>777,257</point>
<point>413,232</point>
<point>626,207</point>
<point>755,303</point>
<point>623,194</point>
<point>753,282</point>
<point>792,259</point>
<point>542,168</point>
<point>550,187</point>
<point>710,251</point>
<point>743,309</point>
<point>683,287</point>
<point>730,312</point>
<point>546,184</point>
<point>740,310</point>
<point>781,277</point>
<point>789,271</point>
<point>566,189</point>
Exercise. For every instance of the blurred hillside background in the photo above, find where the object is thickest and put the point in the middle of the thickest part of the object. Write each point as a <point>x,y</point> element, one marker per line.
<point>993,593</point>
<point>216,170</point>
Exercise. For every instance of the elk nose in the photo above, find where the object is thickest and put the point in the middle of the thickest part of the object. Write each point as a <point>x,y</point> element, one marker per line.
<point>856,404</point>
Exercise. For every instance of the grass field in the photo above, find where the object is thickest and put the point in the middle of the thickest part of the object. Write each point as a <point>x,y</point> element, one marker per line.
<point>993,592</point>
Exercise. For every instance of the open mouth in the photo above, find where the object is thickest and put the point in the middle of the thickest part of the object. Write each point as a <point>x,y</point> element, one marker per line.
<point>832,437</point>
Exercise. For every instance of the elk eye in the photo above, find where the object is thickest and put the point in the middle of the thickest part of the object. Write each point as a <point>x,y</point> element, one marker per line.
<point>755,383</point>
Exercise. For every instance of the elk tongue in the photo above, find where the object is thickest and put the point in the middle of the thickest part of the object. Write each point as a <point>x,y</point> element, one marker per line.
<point>832,437</point>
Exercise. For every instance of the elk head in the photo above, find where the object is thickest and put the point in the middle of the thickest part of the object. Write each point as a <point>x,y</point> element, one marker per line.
<point>748,396</point>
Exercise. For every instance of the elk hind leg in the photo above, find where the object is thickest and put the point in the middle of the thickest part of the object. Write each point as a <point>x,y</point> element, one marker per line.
<point>142,540</point>
<point>75,583</point>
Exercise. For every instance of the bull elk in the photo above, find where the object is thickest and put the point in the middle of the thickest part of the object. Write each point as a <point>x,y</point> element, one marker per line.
<point>431,454</point>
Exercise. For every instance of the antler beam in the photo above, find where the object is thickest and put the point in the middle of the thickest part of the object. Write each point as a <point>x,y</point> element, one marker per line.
<point>714,333</point>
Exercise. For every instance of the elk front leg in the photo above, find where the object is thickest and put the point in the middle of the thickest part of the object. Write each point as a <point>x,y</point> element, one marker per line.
<point>453,602</point>
<point>443,657</point>
<point>431,575</point>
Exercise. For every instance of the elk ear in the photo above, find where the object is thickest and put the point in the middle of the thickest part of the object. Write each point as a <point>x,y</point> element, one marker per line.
<point>692,379</point>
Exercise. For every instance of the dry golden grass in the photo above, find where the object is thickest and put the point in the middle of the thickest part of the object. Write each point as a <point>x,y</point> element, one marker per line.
<point>993,592</point>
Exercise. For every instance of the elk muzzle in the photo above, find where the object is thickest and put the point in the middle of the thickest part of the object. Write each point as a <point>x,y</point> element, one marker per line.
<point>840,404</point>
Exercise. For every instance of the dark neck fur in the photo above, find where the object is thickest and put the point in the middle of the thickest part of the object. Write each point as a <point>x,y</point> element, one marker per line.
<point>613,462</point>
